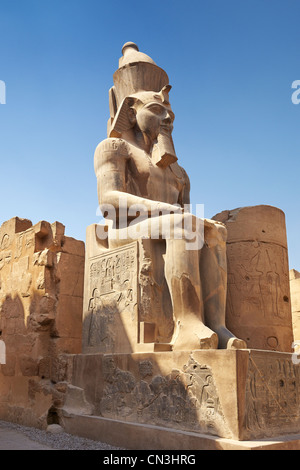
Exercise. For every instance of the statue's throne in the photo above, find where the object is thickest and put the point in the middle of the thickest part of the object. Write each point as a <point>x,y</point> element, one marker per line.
<point>127,305</point>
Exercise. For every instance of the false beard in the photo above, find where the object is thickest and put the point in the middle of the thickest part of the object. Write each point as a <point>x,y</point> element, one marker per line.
<point>163,152</point>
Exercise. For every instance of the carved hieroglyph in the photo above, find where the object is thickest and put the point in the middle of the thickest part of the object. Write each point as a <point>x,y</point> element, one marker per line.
<point>112,300</point>
<point>242,394</point>
<point>258,298</point>
<point>272,396</point>
<point>184,399</point>
<point>295,301</point>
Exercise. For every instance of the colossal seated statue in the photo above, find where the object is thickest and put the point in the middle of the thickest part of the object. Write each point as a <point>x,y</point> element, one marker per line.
<point>140,179</point>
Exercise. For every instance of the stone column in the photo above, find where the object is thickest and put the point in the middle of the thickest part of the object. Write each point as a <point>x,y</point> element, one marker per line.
<point>295,302</point>
<point>258,297</point>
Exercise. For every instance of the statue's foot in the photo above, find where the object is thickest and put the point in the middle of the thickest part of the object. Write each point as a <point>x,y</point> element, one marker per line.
<point>227,340</point>
<point>236,343</point>
<point>195,336</point>
<point>206,338</point>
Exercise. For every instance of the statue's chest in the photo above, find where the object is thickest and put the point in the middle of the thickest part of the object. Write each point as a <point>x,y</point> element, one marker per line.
<point>153,182</point>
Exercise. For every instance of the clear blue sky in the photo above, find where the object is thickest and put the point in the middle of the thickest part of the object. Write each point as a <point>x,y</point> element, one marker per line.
<point>231,64</point>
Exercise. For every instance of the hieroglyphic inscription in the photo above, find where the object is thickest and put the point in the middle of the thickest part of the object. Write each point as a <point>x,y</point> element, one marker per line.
<point>272,397</point>
<point>4,242</point>
<point>115,272</point>
<point>5,258</point>
<point>5,255</point>
<point>113,289</point>
<point>24,241</point>
<point>185,398</point>
<point>257,283</point>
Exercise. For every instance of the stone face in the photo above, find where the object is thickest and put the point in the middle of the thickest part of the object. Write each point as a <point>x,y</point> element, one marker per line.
<point>258,305</point>
<point>295,301</point>
<point>41,295</point>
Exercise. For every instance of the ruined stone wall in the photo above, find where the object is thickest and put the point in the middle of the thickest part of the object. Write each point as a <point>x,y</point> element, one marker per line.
<point>41,292</point>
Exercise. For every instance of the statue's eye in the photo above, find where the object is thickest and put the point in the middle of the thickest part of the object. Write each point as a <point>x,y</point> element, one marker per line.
<point>156,109</point>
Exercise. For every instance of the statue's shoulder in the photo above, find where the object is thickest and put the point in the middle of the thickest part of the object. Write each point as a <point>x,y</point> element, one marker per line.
<point>113,146</point>
<point>180,173</point>
<point>111,151</point>
<point>185,175</point>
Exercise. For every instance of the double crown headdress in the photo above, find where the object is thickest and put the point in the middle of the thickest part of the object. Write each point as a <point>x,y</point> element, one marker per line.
<point>137,72</point>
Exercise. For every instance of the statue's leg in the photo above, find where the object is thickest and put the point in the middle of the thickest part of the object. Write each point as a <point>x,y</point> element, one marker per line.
<point>213,272</point>
<point>183,279</point>
<point>182,276</point>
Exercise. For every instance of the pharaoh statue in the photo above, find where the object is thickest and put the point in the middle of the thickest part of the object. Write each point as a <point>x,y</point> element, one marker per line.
<point>136,167</point>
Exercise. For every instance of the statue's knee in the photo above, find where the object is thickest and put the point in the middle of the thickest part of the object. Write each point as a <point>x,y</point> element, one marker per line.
<point>192,224</point>
<point>215,233</point>
<point>222,232</point>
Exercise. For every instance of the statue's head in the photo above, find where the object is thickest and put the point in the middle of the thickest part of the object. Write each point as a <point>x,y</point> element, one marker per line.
<point>140,100</point>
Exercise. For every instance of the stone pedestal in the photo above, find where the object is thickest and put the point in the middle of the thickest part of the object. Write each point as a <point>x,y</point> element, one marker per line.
<point>200,399</point>
<point>128,378</point>
<point>258,297</point>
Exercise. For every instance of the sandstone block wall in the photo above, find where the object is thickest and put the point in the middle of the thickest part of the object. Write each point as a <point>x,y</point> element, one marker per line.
<point>41,293</point>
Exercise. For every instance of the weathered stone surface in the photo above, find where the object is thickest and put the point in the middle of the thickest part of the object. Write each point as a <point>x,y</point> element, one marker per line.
<point>242,395</point>
<point>258,299</point>
<point>295,301</point>
<point>272,395</point>
<point>41,294</point>
<point>110,321</point>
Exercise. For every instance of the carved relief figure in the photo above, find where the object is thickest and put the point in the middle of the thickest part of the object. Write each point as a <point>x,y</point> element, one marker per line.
<point>137,165</point>
<point>164,400</point>
<point>94,306</point>
<point>272,396</point>
<point>5,242</point>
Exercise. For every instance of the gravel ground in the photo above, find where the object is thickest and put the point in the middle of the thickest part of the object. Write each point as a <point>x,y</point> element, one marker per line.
<point>61,441</point>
